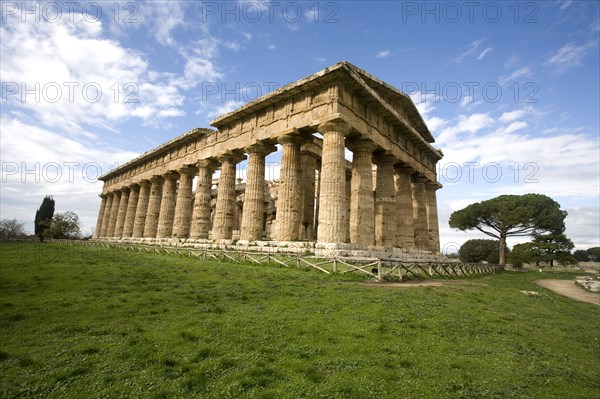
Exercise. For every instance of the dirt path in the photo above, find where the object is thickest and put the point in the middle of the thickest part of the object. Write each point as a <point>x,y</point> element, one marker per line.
<point>570,289</point>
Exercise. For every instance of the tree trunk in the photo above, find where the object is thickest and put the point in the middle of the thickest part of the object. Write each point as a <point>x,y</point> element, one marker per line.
<point>501,250</point>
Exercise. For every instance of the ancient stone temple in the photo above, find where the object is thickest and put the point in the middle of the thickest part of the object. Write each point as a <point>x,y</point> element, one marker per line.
<point>384,198</point>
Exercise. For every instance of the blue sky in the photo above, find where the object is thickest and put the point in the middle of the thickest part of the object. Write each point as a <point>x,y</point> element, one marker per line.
<point>510,90</point>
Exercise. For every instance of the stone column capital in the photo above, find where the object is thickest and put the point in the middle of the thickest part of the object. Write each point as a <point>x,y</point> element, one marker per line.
<point>233,156</point>
<point>170,175</point>
<point>384,159</point>
<point>404,169</point>
<point>134,187</point>
<point>361,145</point>
<point>291,139</point>
<point>416,178</point>
<point>124,189</point>
<point>336,125</point>
<point>433,186</point>
<point>156,179</point>
<point>187,170</point>
<point>209,163</point>
<point>144,183</point>
<point>260,148</point>
<point>103,195</point>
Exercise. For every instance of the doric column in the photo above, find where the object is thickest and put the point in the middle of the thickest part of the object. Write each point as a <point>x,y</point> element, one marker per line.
<point>420,212</point>
<point>151,225</point>
<point>385,215</point>
<point>254,196</point>
<point>142,208</point>
<point>432,217</point>
<point>107,212</point>
<point>308,162</point>
<point>183,207</point>
<point>134,195</point>
<point>225,207</point>
<point>98,229</point>
<point>114,211</point>
<point>362,211</point>
<point>287,220</point>
<point>201,212</point>
<point>122,212</point>
<point>317,200</point>
<point>348,199</point>
<point>167,205</point>
<point>404,205</point>
<point>333,222</point>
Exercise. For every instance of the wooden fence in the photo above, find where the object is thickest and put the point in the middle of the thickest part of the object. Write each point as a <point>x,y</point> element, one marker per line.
<point>379,268</point>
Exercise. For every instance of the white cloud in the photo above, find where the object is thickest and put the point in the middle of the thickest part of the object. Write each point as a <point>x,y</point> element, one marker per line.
<point>224,108</point>
<point>484,53</point>
<point>471,50</point>
<point>569,56</point>
<point>513,127</point>
<point>383,54</point>
<point>165,17</point>
<point>512,115</point>
<point>519,73</point>
<point>435,123</point>
<point>469,124</point>
<point>235,46</point>
<point>474,122</point>
<point>566,4</point>
<point>312,15</point>
<point>468,102</point>
<point>76,86</point>
<point>582,226</point>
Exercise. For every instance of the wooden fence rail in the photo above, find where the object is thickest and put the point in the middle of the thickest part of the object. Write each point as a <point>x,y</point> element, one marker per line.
<point>378,268</point>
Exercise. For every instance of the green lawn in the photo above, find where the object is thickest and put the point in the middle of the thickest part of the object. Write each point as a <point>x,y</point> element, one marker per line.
<point>79,322</point>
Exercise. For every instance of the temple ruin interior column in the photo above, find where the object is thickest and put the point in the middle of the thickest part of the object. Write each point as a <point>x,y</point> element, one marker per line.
<point>141,209</point>
<point>225,207</point>
<point>134,192</point>
<point>432,217</point>
<point>122,212</point>
<point>420,212</point>
<point>308,166</point>
<point>183,206</point>
<point>317,199</point>
<point>151,226</point>
<point>202,203</point>
<point>114,211</point>
<point>362,211</point>
<point>167,205</point>
<point>385,218</point>
<point>333,221</point>
<point>254,197</point>
<point>404,202</point>
<point>288,202</point>
<point>98,229</point>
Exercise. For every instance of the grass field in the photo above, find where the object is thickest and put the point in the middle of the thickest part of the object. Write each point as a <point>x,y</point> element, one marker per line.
<point>83,322</point>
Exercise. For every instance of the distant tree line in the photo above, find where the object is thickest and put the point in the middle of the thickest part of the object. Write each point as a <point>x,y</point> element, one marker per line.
<point>46,224</point>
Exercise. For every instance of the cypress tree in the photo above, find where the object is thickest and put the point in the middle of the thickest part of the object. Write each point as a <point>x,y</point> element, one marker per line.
<point>43,216</point>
